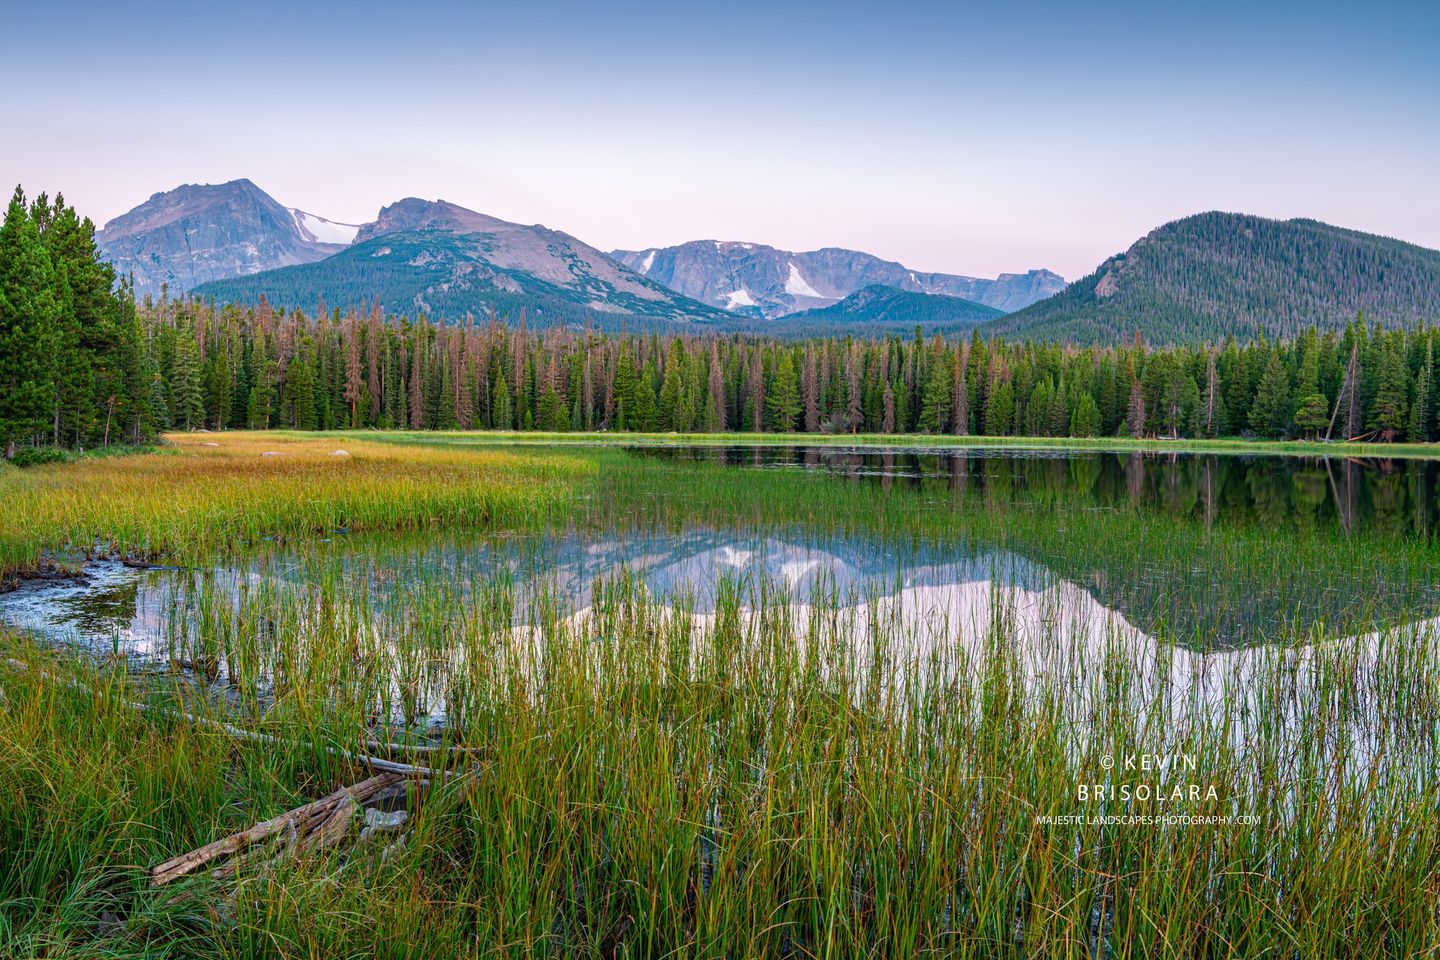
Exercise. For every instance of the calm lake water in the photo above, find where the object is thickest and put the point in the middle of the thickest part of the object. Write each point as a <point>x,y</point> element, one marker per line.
<point>1176,584</point>
<point>1358,495</point>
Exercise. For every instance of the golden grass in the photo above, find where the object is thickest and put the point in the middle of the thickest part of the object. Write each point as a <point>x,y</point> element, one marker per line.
<point>203,492</point>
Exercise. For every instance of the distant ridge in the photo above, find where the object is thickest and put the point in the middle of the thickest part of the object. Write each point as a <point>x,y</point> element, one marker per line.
<point>1215,274</point>
<point>878,309</point>
<point>753,279</point>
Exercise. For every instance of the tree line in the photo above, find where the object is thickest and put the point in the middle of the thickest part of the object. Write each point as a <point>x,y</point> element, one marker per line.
<point>81,364</point>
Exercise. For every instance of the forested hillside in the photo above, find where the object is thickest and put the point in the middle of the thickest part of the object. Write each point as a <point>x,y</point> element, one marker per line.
<point>877,310</point>
<point>429,272</point>
<point>1214,275</point>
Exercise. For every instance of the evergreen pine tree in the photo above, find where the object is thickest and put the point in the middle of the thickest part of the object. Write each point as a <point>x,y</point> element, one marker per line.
<point>1270,412</point>
<point>85,347</point>
<point>187,403</point>
<point>643,403</point>
<point>134,415</point>
<point>1423,402</point>
<point>298,395</point>
<point>810,391</point>
<point>1388,408</point>
<point>1058,412</point>
<point>502,405</point>
<point>755,394</point>
<point>29,315</point>
<point>1036,417</point>
<point>1085,420</point>
<point>669,412</point>
<point>393,417</point>
<point>1312,410</point>
<point>783,403</point>
<point>959,400</point>
<point>262,392</point>
<point>418,370</point>
<point>937,400</point>
<point>625,390</point>
<point>551,414</point>
<point>1000,410</point>
<point>445,413</point>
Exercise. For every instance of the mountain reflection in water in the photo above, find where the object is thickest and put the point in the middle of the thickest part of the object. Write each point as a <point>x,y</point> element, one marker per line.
<point>120,609</point>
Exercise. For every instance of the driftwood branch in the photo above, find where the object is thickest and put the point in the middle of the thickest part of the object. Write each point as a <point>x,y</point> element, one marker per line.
<point>315,825</point>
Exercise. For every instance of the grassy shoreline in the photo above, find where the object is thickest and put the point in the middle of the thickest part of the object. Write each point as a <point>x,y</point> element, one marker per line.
<point>202,494</point>
<point>1299,448</point>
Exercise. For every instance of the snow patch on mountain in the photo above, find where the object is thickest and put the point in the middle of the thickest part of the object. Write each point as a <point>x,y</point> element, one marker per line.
<point>319,230</point>
<point>796,286</point>
<point>738,298</point>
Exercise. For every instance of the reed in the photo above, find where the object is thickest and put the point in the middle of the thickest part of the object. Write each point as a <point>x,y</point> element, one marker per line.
<point>731,771</point>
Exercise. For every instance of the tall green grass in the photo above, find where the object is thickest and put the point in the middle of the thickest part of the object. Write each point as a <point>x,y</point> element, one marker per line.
<point>654,776</point>
<point>759,780</point>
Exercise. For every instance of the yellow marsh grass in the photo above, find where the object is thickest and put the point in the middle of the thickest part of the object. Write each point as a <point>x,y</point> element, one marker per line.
<point>204,492</point>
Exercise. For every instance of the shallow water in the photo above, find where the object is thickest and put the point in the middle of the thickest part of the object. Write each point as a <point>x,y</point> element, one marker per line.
<point>117,609</point>
<point>1179,597</point>
<point>120,609</point>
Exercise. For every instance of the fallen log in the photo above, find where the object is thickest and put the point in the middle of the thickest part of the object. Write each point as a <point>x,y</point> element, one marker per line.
<point>313,826</point>
<point>317,825</point>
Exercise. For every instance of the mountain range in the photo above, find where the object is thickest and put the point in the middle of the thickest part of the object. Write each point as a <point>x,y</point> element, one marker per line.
<point>1199,278</point>
<point>757,280</point>
<point>233,242</point>
<point>442,260</point>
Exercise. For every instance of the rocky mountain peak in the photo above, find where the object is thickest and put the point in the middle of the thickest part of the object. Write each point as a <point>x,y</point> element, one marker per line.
<point>198,232</point>
<point>414,213</point>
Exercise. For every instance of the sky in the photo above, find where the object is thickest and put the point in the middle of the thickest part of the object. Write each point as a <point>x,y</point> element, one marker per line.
<point>957,137</point>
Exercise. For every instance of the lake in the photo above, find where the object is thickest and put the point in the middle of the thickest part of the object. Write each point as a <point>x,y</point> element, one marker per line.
<point>1195,560</point>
